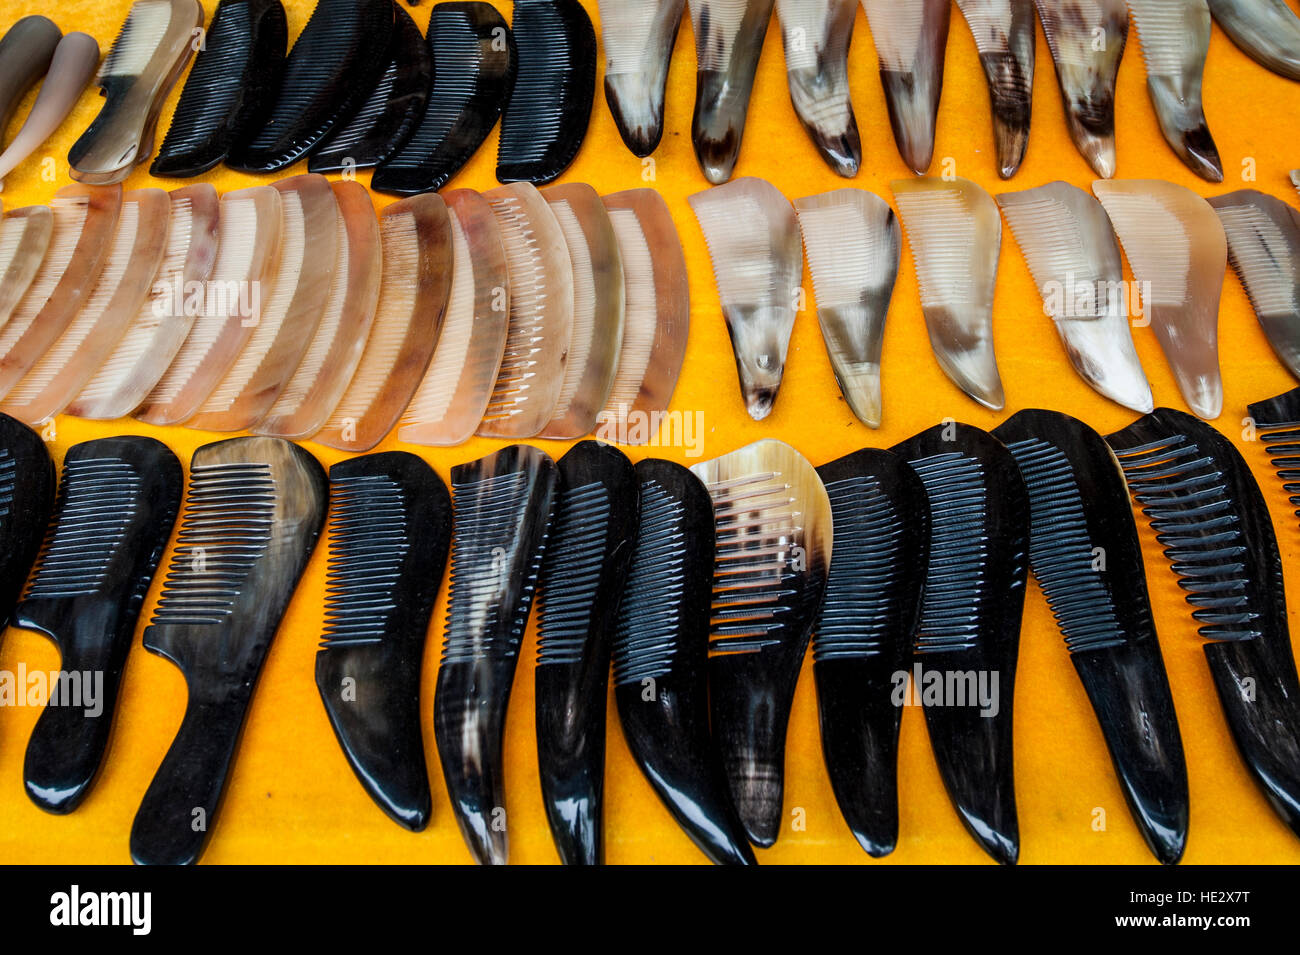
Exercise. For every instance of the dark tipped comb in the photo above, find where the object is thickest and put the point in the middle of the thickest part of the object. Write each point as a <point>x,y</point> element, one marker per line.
<point>389,113</point>
<point>970,621</point>
<point>864,632</point>
<point>232,85</point>
<point>334,64</point>
<point>1209,514</point>
<point>117,503</point>
<point>254,510</point>
<point>546,119</point>
<point>583,574</point>
<point>474,65</point>
<point>502,507</point>
<point>26,500</point>
<point>1084,550</point>
<point>660,660</point>
<point>388,537</point>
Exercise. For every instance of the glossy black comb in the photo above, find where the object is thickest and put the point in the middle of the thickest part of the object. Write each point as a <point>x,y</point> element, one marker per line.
<point>1210,516</point>
<point>660,657</point>
<point>253,512</point>
<point>583,574</point>
<point>969,634</point>
<point>389,113</point>
<point>864,632</point>
<point>502,506</point>
<point>545,122</point>
<point>26,500</point>
<point>1084,550</point>
<point>474,64</point>
<point>1278,424</point>
<point>231,87</point>
<point>334,64</point>
<point>388,537</point>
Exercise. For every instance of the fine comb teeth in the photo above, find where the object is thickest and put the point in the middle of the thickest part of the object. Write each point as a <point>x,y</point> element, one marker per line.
<point>1070,248</point>
<point>234,79</point>
<point>388,536</point>
<point>417,276</point>
<point>816,38</point>
<point>74,63</point>
<point>599,302</point>
<point>1210,516</point>
<point>334,63</point>
<point>773,522</point>
<point>85,220</point>
<point>155,333</point>
<point>541,314</point>
<point>853,242</point>
<point>1085,553</point>
<point>254,510</point>
<point>24,238</point>
<point>145,61</point>
<point>582,579</point>
<point>502,509</point>
<point>384,121</point>
<point>123,286</point>
<point>970,621</point>
<point>757,256</point>
<point>248,253</point>
<point>1004,34</point>
<point>327,366</point>
<point>474,65</point>
<point>911,41</point>
<point>26,499</point>
<point>117,503</point>
<point>660,660</point>
<point>864,632</point>
<point>638,37</point>
<point>449,403</point>
<point>1278,422</point>
<point>545,121</point>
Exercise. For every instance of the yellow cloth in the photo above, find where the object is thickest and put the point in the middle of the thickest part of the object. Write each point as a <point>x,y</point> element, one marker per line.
<point>292,796</point>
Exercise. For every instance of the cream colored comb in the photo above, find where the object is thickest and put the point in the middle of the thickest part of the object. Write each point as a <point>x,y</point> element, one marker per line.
<point>24,238</point>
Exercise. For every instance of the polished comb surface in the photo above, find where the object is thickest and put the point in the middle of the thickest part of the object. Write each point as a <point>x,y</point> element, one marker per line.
<point>638,37</point>
<point>25,54</point>
<point>1004,35</point>
<point>24,239</point>
<point>1266,30</point>
<point>816,36</point>
<point>27,483</point>
<point>75,61</point>
<point>1278,422</point>
<point>911,42</point>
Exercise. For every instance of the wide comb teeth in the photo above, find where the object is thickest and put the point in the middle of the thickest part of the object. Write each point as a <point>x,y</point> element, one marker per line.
<point>85,220</point>
<point>24,238</point>
<point>541,314</point>
<point>383,122</point>
<point>290,312</point>
<point>1179,253</point>
<point>233,82</point>
<point>71,69</point>
<point>757,256</point>
<point>1268,31</point>
<point>545,121</point>
<point>473,75</point>
<point>332,67</point>
<point>638,37</point>
<point>956,235</point>
<point>449,403</point>
<point>145,61</point>
<point>816,38</point>
<point>1069,245</point>
<point>773,526</point>
<point>1278,422</point>
<point>728,41</point>
<point>911,40</point>
<point>124,284</point>
<point>596,339</point>
<point>853,243</point>
<point>417,276</point>
<point>1004,35</point>
<point>657,315</point>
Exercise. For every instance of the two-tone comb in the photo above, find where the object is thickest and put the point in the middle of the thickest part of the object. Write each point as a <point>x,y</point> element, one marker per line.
<point>774,531</point>
<point>816,38</point>
<point>24,239</point>
<point>27,482</point>
<point>863,635</point>
<point>968,640</point>
<point>638,37</point>
<point>1209,515</point>
<point>584,570</point>
<point>75,60</point>
<point>389,531</point>
<point>1278,425</point>
<point>661,660</point>
<point>117,502</point>
<point>1084,551</point>
<point>254,510</point>
<point>502,509</point>
<point>911,42</point>
<point>1004,35</point>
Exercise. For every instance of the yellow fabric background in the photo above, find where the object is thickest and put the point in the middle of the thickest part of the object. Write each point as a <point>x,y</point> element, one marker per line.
<point>292,796</point>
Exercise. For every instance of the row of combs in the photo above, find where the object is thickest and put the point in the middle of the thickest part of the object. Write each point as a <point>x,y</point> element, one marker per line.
<point>1087,41</point>
<point>292,310</point>
<point>1178,246</point>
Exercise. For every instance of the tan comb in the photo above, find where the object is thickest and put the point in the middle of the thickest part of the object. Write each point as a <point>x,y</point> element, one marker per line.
<point>24,238</point>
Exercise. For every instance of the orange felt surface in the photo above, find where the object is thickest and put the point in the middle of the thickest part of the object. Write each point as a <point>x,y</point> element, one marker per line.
<point>292,797</point>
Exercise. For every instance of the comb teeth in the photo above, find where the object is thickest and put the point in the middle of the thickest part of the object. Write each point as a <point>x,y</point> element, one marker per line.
<point>369,542</point>
<point>943,231</point>
<point>70,214</point>
<point>225,528</point>
<point>578,552</point>
<point>645,642</point>
<point>1157,244</point>
<point>8,484</point>
<point>96,503</point>
<point>141,34</point>
<point>642,308</point>
<point>527,298</point>
<point>1051,239</point>
<point>1062,551</point>
<point>584,304</point>
<point>1282,442</point>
